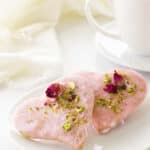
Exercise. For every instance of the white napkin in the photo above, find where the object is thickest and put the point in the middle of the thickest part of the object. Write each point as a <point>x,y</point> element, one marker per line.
<point>29,50</point>
<point>36,61</point>
<point>15,14</point>
<point>18,13</point>
<point>99,7</point>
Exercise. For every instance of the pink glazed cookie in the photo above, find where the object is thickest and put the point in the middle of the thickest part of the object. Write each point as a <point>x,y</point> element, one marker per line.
<point>121,92</point>
<point>76,103</point>
<point>64,116</point>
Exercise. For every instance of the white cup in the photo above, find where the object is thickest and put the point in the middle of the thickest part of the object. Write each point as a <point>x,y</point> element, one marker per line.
<point>133,20</point>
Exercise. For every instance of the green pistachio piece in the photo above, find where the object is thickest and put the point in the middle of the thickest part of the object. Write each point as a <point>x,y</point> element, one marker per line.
<point>72,85</point>
<point>74,113</point>
<point>80,109</point>
<point>69,105</point>
<point>102,102</point>
<point>67,94</point>
<point>116,109</point>
<point>77,99</point>
<point>107,79</point>
<point>67,126</point>
<point>111,104</point>
<point>132,89</point>
<point>120,98</point>
<point>68,116</point>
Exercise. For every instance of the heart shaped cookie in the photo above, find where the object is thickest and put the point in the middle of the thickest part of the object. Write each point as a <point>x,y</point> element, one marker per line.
<point>78,102</point>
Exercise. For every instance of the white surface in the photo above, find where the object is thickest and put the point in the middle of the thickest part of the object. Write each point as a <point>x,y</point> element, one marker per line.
<point>79,51</point>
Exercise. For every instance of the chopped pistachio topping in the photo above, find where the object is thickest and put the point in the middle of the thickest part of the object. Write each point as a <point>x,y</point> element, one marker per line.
<point>107,79</point>
<point>68,116</point>
<point>74,113</point>
<point>77,99</point>
<point>72,85</point>
<point>68,101</point>
<point>80,109</point>
<point>116,109</point>
<point>132,89</point>
<point>108,104</point>
<point>116,86</point>
<point>120,98</point>
<point>67,126</point>
<point>71,116</point>
<point>73,119</point>
<point>69,105</point>
<point>67,94</point>
<point>102,102</point>
<point>112,104</point>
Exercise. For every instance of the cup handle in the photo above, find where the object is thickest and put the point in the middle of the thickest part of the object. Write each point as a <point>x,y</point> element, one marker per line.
<point>94,23</point>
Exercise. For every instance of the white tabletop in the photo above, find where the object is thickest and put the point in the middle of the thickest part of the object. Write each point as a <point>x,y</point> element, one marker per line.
<point>79,53</point>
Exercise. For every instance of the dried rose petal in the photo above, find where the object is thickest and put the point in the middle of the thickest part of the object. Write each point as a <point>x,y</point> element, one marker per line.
<point>117,78</point>
<point>110,88</point>
<point>53,90</point>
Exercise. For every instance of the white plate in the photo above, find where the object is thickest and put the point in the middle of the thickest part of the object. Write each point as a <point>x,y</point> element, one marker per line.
<point>134,135</point>
<point>118,52</point>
